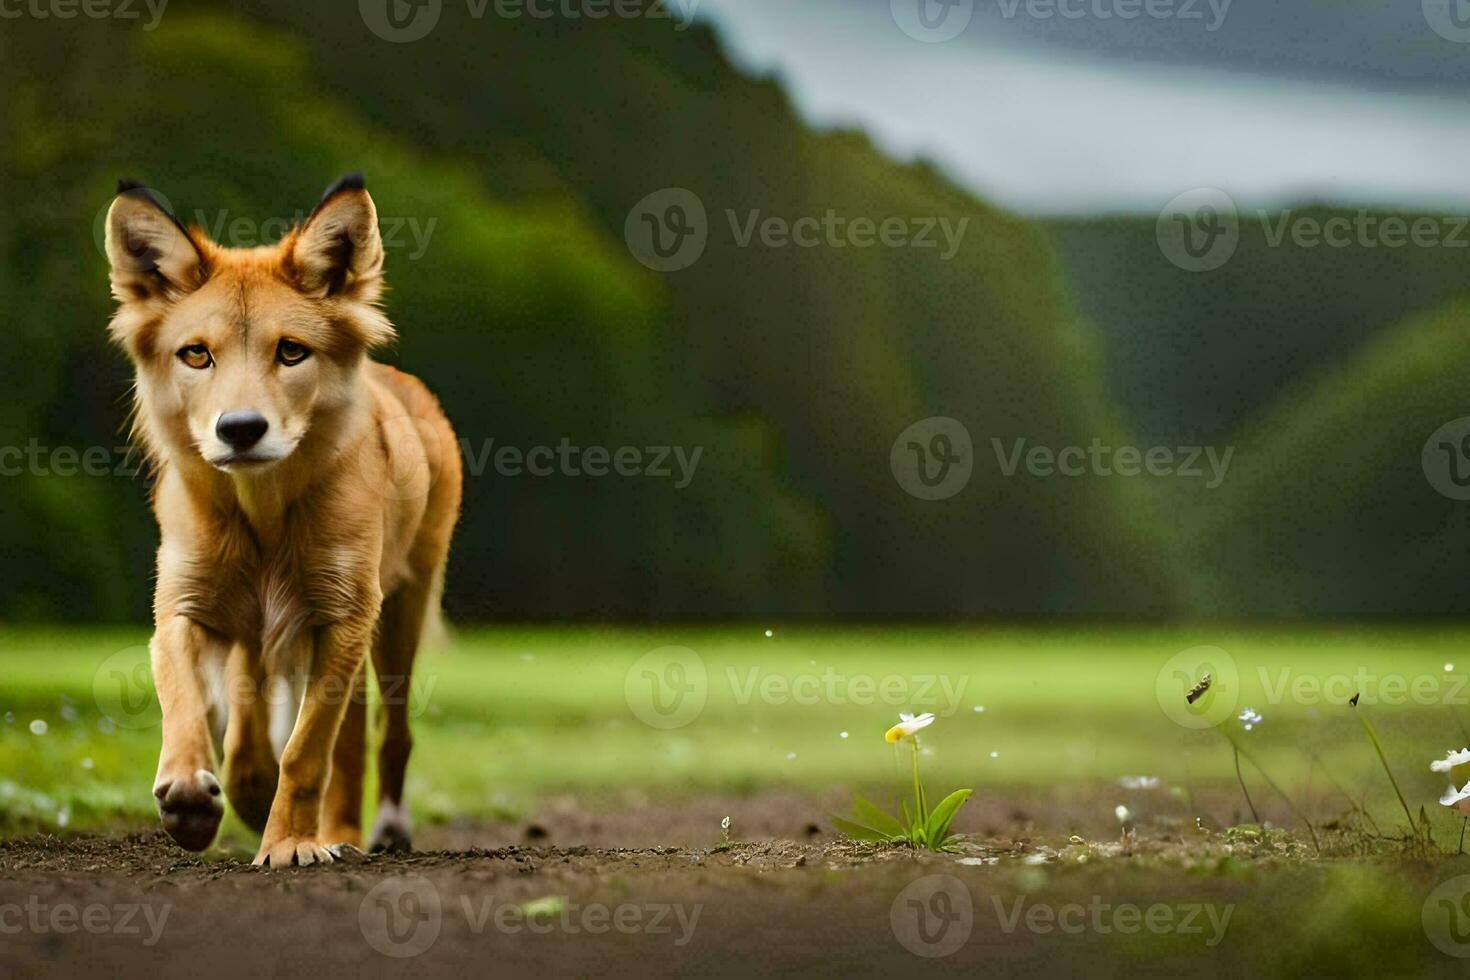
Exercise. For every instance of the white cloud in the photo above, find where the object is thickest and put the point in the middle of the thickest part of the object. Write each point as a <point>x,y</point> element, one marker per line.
<point>1041,133</point>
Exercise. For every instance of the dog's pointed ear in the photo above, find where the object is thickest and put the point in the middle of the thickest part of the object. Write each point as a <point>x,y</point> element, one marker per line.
<point>152,254</point>
<point>338,251</point>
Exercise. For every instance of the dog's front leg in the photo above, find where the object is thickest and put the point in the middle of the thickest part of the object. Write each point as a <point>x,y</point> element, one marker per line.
<point>292,834</point>
<point>186,789</point>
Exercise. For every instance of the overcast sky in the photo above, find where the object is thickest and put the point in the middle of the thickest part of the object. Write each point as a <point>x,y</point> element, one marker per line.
<point>1081,114</point>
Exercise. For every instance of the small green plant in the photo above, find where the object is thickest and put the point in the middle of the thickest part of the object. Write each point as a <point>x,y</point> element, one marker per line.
<point>920,826</point>
<point>1383,758</point>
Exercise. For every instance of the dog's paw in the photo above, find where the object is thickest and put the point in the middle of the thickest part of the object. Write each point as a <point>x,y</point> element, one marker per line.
<point>191,808</point>
<point>390,830</point>
<point>287,851</point>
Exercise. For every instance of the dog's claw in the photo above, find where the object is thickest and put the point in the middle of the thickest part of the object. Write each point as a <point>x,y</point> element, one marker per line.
<point>346,852</point>
<point>290,851</point>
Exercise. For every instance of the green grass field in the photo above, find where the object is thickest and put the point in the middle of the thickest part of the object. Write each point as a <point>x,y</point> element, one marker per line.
<point>504,715</point>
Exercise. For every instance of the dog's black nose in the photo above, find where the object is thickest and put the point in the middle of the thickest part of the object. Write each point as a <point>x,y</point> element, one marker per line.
<point>241,429</point>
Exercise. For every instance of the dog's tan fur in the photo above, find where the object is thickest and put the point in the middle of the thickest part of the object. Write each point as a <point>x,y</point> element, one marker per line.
<point>323,545</point>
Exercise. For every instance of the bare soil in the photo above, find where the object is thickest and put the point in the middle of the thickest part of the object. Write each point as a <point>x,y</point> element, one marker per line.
<point>636,886</point>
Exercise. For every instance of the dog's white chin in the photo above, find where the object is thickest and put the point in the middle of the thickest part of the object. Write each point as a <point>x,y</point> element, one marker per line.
<point>245,463</point>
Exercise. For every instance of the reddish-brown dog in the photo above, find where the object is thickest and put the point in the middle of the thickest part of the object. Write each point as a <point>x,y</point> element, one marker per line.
<point>306,496</point>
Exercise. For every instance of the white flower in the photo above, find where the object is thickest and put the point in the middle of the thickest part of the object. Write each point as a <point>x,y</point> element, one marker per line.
<point>1451,762</point>
<point>1457,799</point>
<point>725,824</point>
<point>1249,718</point>
<point>1456,765</point>
<point>1122,813</point>
<point>908,726</point>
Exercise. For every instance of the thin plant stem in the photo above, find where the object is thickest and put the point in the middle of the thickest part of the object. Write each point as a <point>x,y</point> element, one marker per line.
<point>1378,747</point>
<point>1241,779</point>
<point>1461,848</point>
<point>1316,845</point>
<point>919,788</point>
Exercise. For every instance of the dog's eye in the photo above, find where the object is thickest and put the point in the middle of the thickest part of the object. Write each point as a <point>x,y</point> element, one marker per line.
<point>289,352</point>
<point>196,356</point>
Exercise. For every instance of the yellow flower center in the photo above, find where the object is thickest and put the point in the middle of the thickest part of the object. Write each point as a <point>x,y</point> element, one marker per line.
<point>893,734</point>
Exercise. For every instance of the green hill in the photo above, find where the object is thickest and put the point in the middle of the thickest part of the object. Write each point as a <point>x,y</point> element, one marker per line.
<point>1330,511</point>
<point>509,153</point>
<point>1194,355</point>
